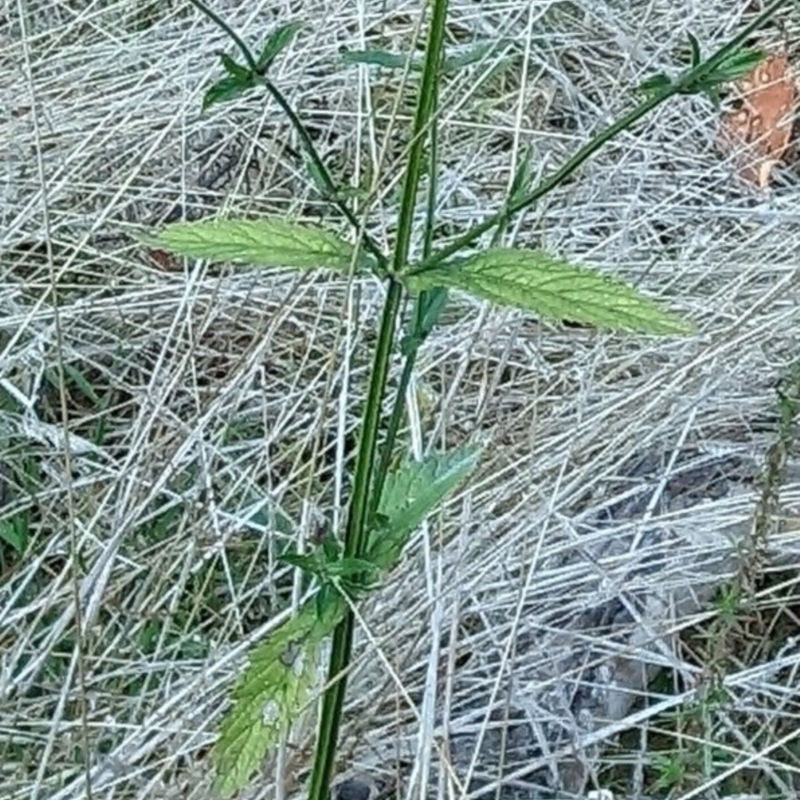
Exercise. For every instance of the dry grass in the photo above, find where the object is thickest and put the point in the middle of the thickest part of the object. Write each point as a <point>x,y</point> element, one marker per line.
<point>168,428</point>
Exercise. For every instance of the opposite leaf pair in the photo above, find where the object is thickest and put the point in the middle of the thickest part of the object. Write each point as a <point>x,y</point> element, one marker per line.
<point>528,279</point>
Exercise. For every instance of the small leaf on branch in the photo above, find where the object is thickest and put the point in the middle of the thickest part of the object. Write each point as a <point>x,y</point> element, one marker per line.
<point>656,85</point>
<point>235,70</point>
<point>738,64</point>
<point>310,564</point>
<point>410,494</point>
<point>269,242</point>
<point>551,288</point>
<point>228,88</point>
<point>694,45</point>
<point>276,42</point>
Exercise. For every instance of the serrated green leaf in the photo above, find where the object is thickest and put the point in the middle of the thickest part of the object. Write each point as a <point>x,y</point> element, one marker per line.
<point>272,690</point>
<point>380,58</point>
<point>551,288</point>
<point>276,42</point>
<point>409,494</point>
<point>227,88</point>
<point>269,242</point>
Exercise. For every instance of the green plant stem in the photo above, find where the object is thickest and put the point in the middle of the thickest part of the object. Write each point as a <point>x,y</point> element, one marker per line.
<point>398,409</point>
<point>357,533</point>
<point>230,32</point>
<point>332,190</point>
<point>682,85</point>
<point>422,307</point>
<point>354,545</point>
<point>330,187</point>
<point>369,475</point>
<point>422,119</point>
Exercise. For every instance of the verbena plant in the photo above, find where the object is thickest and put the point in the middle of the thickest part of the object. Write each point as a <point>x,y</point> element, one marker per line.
<point>387,505</point>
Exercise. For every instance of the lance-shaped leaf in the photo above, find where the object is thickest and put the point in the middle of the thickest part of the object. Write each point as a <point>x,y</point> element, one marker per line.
<point>276,42</point>
<point>655,85</point>
<point>410,494</point>
<point>399,61</point>
<point>381,58</point>
<point>737,65</point>
<point>551,288</point>
<point>233,69</point>
<point>274,687</point>
<point>228,88</point>
<point>694,44</point>
<point>269,242</point>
